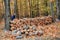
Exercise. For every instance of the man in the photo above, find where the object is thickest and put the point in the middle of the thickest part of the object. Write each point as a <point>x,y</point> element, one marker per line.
<point>13,17</point>
<point>59,17</point>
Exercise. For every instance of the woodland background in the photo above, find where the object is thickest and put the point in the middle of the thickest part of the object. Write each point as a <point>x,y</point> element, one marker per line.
<point>28,8</point>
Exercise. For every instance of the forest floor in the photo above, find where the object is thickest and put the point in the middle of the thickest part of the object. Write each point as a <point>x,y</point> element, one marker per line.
<point>2,34</point>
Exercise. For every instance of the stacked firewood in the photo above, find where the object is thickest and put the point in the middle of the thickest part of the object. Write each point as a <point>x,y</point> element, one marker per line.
<point>48,20</point>
<point>31,27</point>
<point>33,31</point>
<point>30,21</point>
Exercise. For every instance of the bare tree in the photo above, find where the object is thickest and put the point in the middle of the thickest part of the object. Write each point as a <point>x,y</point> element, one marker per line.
<point>58,8</point>
<point>38,12</point>
<point>7,14</point>
<point>22,8</point>
<point>30,5</point>
<point>16,9</point>
<point>27,11</point>
<point>52,11</point>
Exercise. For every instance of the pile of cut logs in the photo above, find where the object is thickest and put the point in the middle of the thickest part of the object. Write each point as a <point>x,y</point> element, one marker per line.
<point>31,27</point>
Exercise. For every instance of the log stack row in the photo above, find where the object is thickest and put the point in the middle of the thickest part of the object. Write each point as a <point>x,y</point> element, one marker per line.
<point>30,27</point>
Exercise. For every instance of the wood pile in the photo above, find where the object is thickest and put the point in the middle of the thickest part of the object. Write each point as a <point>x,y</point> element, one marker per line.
<point>32,27</point>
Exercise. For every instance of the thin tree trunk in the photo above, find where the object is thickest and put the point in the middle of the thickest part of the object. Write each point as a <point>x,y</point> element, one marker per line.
<point>58,9</point>
<point>39,7</point>
<point>30,4</point>
<point>27,12</point>
<point>38,14</point>
<point>52,12</point>
<point>7,14</point>
<point>3,8</point>
<point>16,9</point>
<point>21,9</point>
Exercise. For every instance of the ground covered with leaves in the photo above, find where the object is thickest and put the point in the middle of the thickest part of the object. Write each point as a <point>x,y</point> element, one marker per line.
<point>46,36</point>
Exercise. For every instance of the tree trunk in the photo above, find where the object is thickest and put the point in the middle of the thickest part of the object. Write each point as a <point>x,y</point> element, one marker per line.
<point>52,11</point>
<point>27,11</point>
<point>16,9</point>
<point>21,9</point>
<point>30,4</point>
<point>58,8</point>
<point>38,13</point>
<point>39,7</point>
<point>7,14</point>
